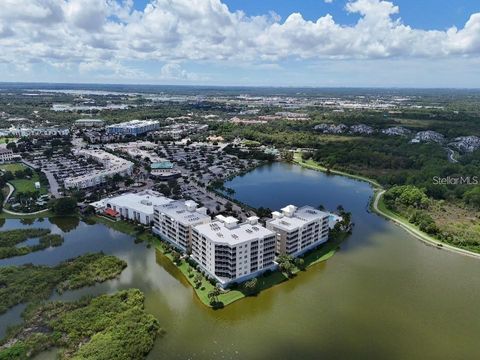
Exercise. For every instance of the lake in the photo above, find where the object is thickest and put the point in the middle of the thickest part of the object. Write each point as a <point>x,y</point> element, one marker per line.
<point>383,295</point>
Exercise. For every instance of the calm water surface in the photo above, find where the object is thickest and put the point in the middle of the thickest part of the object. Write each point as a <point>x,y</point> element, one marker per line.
<point>383,295</point>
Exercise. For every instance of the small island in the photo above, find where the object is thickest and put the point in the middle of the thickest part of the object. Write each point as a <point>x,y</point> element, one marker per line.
<point>91,328</point>
<point>30,283</point>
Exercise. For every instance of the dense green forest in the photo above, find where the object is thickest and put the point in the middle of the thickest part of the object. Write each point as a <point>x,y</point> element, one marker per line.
<point>103,328</point>
<point>32,283</point>
<point>11,239</point>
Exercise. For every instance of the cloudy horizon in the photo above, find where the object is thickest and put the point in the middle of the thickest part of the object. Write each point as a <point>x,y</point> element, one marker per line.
<point>333,43</point>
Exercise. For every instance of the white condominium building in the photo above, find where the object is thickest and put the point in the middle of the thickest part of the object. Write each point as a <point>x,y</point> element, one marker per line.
<point>89,123</point>
<point>174,221</point>
<point>50,131</point>
<point>7,155</point>
<point>132,206</point>
<point>232,252</point>
<point>299,229</point>
<point>113,165</point>
<point>133,127</point>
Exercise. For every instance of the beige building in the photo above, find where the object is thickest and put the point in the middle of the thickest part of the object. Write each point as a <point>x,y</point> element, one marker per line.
<point>299,229</point>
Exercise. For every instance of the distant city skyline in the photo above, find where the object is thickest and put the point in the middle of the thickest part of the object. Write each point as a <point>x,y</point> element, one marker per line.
<point>310,43</point>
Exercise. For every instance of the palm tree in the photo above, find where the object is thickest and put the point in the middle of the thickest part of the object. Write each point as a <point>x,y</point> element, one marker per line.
<point>214,294</point>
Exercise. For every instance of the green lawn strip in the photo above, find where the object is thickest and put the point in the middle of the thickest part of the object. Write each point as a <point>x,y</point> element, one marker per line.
<point>3,139</point>
<point>42,215</point>
<point>105,327</point>
<point>202,292</point>
<point>414,229</point>
<point>12,167</point>
<point>33,283</point>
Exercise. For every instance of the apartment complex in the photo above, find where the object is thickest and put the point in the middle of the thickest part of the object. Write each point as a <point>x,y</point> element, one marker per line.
<point>113,165</point>
<point>44,131</point>
<point>89,123</point>
<point>299,229</point>
<point>133,127</point>
<point>174,221</point>
<point>138,207</point>
<point>232,252</point>
<point>7,155</point>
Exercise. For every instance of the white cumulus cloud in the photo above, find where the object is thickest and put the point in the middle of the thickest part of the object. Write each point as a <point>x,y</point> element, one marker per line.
<point>85,33</point>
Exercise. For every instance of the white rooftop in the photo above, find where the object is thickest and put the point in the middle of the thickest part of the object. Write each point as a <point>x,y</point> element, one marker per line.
<point>185,212</point>
<point>290,220</point>
<point>218,232</point>
<point>133,124</point>
<point>141,202</point>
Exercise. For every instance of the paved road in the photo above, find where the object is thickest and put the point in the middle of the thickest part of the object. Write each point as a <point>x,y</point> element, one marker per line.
<point>451,153</point>
<point>53,184</point>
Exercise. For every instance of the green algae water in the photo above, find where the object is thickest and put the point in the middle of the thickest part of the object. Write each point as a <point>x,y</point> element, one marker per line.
<point>383,295</point>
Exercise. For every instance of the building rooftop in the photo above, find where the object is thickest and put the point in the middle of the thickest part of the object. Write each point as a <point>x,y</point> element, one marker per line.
<point>133,124</point>
<point>142,202</point>
<point>89,120</point>
<point>220,231</point>
<point>292,217</point>
<point>185,212</point>
<point>162,165</point>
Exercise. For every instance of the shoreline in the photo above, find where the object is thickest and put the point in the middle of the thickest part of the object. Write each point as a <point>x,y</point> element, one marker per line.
<point>388,214</point>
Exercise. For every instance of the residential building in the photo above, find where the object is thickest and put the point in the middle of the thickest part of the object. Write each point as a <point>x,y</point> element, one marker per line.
<point>173,222</point>
<point>49,131</point>
<point>138,207</point>
<point>232,252</point>
<point>299,229</point>
<point>7,155</point>
<point>89,123</point>
<point>133,127</point>
<point>113,165</point>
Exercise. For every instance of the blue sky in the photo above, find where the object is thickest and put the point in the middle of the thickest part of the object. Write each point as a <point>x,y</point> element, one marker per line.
<point>384,43</point>
<point>424,14</point>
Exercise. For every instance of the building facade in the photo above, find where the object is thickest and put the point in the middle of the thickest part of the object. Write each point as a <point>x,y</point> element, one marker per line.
<point>89,123</point>
<point>133,127</point>
<point>232,252</point>
<point>299,229</point>
<point>174,221</point>
<point>50,131</point>
<point>7,155</point>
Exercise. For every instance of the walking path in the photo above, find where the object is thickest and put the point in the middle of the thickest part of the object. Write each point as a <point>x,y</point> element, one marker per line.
<point>404,224</point>
<point>417,233</point>
<point>11,189</point>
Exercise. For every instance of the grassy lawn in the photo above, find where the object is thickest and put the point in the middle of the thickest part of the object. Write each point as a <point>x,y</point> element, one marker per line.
<point>323,253</point>
<point>43,215</point>
<point>12,167</point>
<point>23,185</point>
<point>26,185</point>
<point>3,140</point>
